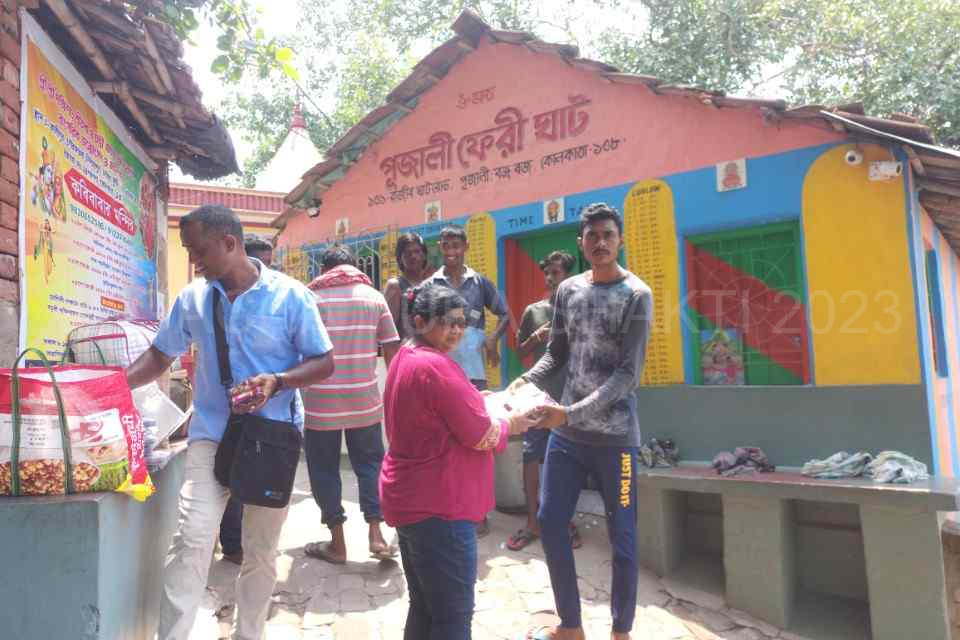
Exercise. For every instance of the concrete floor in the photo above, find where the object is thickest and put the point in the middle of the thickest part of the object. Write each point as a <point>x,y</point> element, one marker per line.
<point>366,599</point>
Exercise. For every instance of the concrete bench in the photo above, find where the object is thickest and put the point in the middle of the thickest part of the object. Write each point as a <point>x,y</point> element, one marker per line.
<point>803,554</point>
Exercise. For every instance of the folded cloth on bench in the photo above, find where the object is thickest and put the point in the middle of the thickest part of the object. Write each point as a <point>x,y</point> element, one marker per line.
<point>839,465</point>
<point>659,453</point>
<point>742,460</point>
<point>895,467</point>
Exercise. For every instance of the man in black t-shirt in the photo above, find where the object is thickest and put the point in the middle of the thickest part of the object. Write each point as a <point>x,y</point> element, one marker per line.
<point>600,330</point>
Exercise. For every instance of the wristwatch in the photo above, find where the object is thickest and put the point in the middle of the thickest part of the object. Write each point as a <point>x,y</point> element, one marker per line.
<point>279,378</point>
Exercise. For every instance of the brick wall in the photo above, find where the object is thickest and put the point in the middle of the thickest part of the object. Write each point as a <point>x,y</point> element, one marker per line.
<point>9,178</point>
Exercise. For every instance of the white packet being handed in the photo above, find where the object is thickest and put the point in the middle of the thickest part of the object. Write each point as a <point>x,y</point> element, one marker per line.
<point>527,398</point>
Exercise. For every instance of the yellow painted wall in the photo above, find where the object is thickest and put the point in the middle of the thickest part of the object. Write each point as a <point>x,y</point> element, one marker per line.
<point>178,264</point>
<point>861,300</point>
<point>482,257</point>
<point>650,237</point>
<point>389,267</point>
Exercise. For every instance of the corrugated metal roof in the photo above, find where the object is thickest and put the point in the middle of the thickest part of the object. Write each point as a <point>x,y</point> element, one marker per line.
<point>937,172</point>
<point>243,200</point>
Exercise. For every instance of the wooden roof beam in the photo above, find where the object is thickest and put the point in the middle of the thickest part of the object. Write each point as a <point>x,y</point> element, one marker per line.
<point>163,36</point>
<point>146,64</point>
<point>97,11</point>
<point>75,27</point>
<point>172,107</point>
<point>940,202</point>
<point>122,90</point>
<point>939,161</point>
<point>161,65</point>
<point>111,41</point>
<point>948,219</point>
<point>162,153</point>
<point>936,210</point>
<point>939,187</point>
<point>905,129</point>
<point>915,161</point>
<point>195,150</point>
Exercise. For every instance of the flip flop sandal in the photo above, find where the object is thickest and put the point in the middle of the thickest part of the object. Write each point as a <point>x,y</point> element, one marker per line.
<point>385,554</point>
<point>538,633</point>
<point>318,551</point>
<point>521,539</point>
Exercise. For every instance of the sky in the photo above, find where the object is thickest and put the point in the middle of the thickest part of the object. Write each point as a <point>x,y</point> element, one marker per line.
<point>283,15</point>
<point>202,50</point>
<point>200,53</point>
<point>282,18</point>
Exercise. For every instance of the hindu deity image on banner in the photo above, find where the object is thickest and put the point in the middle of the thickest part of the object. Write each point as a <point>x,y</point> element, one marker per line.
<point>88,205</point>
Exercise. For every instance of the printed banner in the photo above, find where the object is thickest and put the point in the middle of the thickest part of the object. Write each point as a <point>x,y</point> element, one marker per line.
<point>88,208</point>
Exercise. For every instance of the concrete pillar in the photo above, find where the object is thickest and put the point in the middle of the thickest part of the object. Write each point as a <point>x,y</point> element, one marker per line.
<point>905,575</point>
<point>9,332</point>
<point>660,532</point>
<point>759,557</point>
<point>87,566</point>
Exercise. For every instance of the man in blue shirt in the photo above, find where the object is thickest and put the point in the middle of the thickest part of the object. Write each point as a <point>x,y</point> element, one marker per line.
<point>230,526</point>
<point>277,344</point>
<point>480,294</point>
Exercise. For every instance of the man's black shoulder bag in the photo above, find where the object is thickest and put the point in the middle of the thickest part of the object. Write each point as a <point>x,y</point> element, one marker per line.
<point>257,457</point>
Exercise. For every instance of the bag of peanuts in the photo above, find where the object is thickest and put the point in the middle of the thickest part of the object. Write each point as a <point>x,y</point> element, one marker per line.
<point>69,429</point>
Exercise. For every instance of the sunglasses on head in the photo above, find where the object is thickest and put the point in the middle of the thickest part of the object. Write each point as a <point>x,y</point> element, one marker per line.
<point>453,322</point>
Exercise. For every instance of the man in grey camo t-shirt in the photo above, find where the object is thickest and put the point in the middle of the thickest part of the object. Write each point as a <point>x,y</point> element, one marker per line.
<point>599,331</point>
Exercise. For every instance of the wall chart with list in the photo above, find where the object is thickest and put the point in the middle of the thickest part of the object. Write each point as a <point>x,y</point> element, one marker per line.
<point>651,243</point>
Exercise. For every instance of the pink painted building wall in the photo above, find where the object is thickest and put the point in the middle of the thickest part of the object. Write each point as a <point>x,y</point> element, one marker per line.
<point>496,76</point>
<point>663,160</point>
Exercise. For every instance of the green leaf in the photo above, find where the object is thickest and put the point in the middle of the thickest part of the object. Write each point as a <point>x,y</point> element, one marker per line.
<point>226,40</point>
<point>284,55</point>
<point>291,72</point>
<point>220,64</point>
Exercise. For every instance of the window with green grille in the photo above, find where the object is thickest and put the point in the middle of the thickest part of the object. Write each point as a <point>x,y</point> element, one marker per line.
<point>935,309</point>
<point>746,303</point>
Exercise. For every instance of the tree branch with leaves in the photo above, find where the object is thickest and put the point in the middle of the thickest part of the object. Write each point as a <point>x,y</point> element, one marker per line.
<point>243,45</point>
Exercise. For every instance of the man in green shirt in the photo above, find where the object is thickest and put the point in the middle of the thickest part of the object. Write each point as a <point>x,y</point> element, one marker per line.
<point>532,338</point>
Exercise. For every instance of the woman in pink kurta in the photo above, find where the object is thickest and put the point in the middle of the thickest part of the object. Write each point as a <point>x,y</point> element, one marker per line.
<point>436,481</point>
